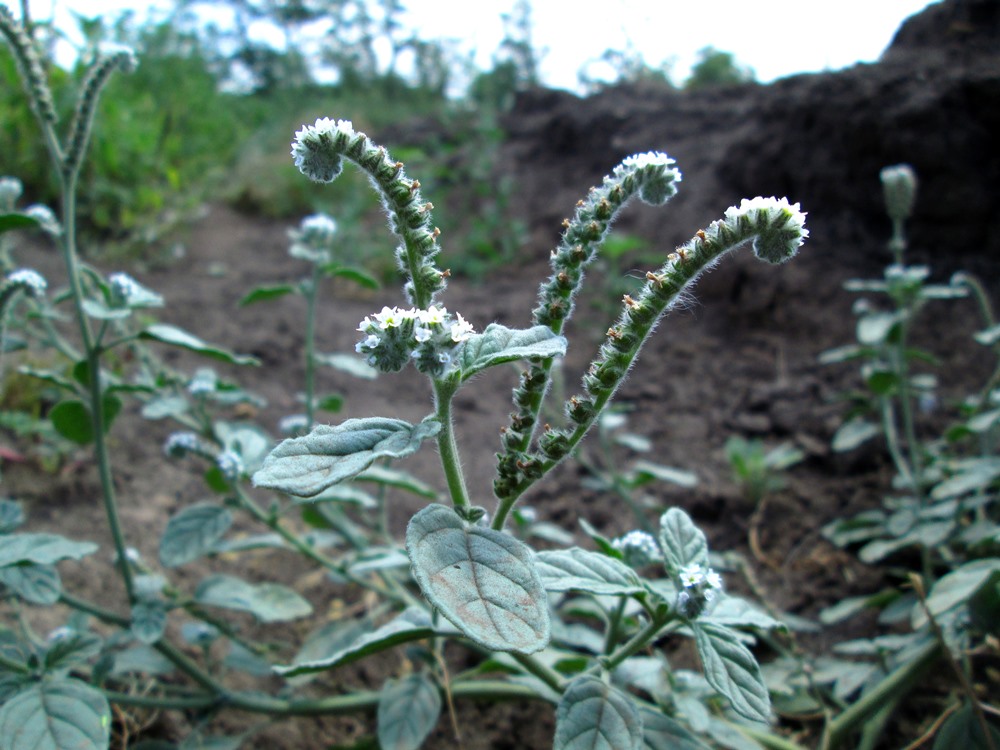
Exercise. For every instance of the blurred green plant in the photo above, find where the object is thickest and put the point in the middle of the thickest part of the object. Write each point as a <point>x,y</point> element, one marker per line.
<point>716,68</point>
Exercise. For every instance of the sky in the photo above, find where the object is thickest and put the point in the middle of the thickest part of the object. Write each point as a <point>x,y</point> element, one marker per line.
<point>774,38</point>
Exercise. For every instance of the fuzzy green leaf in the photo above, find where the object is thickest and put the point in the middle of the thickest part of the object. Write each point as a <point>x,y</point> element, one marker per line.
<point>594,716</point>
<point>408,709</point>
<point>964,730</point>
<point>41,549</point>
<point>482,580</point>
<point>498,344</point>
<point>732,670</point>
<point>38,584</point>
<point>268,602</point>
<point>168,334</point>
<point>193,532</point>
<point>307,465</point>
<point>56,715</point>
<point>71,418</point>
<point>956,588</point>
<point>412,625</point>
<point>853,433</point>
<point>577,569</point>
<point>660,732</point>
<point>11,515</point>
<point>264,293</point>
<point>11,221</point>
<point>149,620</point>
<point>683,543</point>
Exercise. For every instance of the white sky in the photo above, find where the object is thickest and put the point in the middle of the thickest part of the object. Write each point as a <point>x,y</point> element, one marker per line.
<point>774,38</point>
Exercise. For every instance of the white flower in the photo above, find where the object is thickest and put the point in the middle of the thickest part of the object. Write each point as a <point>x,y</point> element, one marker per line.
<point>638,548</point>
<point>10,191</point>
<point>461,330</point>
<point>319,225</point>
<point>230,464</point>
<point>434,315</point>
<point>389,318</point>
<point>691,575</point>
<point>293,424</point>
<point>45,218</point>
<point>181,443</point>
<point>714,580</point>
<point>775,208</point>
<point>421,334</point>
<point>35,284</point>
<point>648,159</point>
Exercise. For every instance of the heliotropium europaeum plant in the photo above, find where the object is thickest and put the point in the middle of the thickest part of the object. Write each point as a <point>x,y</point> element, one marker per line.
<point>577,627</point>
<point>489,585</point>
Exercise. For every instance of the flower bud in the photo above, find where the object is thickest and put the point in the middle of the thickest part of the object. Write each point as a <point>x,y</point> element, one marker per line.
<point>899,186</point>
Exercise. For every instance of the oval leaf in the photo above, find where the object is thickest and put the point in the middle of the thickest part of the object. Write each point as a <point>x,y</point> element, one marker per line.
<point>732,670</point>
<point>268,602</point>
<point>411,625</point>
<point>499,344</point>
<point>42,549</point>
<point>660,732</point>
<point>55,715</point>
<point>38,584</point>
<point>307,465</point>
<point>683,542</point>
<point>408,710</point>
<point>193,532</point>
<point>482,580</point>
<point>149,620</point>
<point>577,569</point>
<point>167,334</point>
<point>595,716</point>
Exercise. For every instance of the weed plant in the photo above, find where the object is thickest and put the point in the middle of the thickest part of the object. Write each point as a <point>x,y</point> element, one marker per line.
<point>936,534</point>
<point>582,629</point>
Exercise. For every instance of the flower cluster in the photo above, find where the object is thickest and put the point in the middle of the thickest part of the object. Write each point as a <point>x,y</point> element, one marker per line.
<point>638,549</point>
<point>179,444</point>
<point>313,240</point>
<point>230,463</point>
<point>779,226</point>
<point>32,282</point>
<point>429,337</point>
<point>654,173</point>
<point>313,150</point>
<point>699,588</point>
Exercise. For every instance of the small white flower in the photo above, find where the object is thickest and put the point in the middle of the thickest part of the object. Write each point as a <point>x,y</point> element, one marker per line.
<point>34,282</point>
<point>691,575</point>
<point>319,225</point>
<point>461,330</point>
<point>714,580</point>
<point>390,318</point>
<point>45,218</point>
<point>180,444</point>
<point>638,548</point>
<point>648,159</point>
<point>230,464</point>
<point>421,334</point>
<point>434,315</point>
<point>293,424</point>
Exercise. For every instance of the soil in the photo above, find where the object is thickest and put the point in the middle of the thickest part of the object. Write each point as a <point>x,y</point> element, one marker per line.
<point>739,359</point>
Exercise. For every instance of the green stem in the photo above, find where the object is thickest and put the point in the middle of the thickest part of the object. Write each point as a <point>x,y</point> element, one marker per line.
<point>451,461</point>
<point>637,642</point>
<point>337,705</point>
<point>765,739</point>
<point>312,292</point>
<point>549,676</point>
<point>889,690</point>
<point>308,551</point>
<point>12,665</point>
